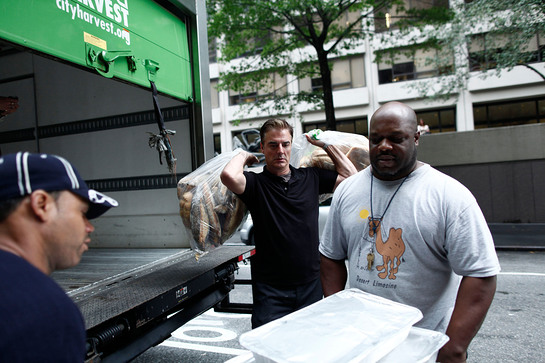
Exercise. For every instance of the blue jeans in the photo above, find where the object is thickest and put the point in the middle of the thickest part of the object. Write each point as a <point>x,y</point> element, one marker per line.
<point>272,301</point>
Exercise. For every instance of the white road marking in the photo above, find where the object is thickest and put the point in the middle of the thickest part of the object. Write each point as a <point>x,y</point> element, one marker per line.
<point>223,336</point>
<point>204,348</point>
<point>523,274</point>
<point>203,321</point>
<point>211,312</point>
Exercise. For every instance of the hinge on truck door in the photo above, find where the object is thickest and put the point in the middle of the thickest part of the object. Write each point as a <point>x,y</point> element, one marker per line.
<point>152,67</point>
<point>102,60</point>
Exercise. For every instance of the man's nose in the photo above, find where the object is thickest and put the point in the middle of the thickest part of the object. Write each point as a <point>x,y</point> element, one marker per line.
<point>89,227</point>
<point>385,144</point>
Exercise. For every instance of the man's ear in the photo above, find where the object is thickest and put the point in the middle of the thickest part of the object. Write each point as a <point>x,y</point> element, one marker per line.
<point>416,137</point>
<point>41,204</point>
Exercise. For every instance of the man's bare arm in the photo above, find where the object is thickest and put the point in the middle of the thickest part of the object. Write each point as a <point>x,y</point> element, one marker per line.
<point>232,175</point>
<point>333,274</point>
<point>474,298</point>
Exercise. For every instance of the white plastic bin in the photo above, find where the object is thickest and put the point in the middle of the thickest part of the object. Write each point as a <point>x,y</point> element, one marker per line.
<point>420,346</point>
<point>350,326</point>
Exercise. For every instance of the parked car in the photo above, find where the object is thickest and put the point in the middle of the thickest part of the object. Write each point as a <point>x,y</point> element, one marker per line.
<point>247,229</point>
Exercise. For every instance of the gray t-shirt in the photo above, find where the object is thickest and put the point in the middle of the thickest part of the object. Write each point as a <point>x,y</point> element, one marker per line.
<point>433,233</point>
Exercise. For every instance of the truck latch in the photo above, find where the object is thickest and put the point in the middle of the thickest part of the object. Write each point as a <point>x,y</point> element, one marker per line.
<point>225,278</point>
<point>102,60</point>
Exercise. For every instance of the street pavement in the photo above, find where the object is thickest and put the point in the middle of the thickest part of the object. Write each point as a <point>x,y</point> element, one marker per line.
<point>512,332</point>
<point>514,328</point>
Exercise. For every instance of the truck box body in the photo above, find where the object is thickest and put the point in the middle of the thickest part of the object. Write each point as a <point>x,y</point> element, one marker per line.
<point>99,114</point>
<point>82,71</point>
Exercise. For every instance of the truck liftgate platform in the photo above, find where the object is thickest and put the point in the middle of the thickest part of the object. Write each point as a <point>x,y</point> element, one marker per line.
<point>133,299</point>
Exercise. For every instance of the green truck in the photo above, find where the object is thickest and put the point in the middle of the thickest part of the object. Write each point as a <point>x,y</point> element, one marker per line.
<point>121,89</point>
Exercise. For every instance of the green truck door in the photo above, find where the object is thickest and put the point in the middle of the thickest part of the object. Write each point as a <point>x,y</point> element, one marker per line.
<point>132,40</point>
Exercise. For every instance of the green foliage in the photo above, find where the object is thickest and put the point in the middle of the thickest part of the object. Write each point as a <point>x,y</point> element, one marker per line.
<point>287,37</point>
<point>483,38</point>
<point>260,38</point>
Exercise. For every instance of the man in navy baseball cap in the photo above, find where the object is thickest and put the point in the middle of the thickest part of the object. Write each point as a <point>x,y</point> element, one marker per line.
<point>45,208</point>
<point>22,173</point>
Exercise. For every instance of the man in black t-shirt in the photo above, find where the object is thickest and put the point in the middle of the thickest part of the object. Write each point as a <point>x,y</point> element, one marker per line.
<point>283,202</point>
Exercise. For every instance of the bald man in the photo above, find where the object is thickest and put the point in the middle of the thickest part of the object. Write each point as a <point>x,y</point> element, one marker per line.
<point>411,234</point>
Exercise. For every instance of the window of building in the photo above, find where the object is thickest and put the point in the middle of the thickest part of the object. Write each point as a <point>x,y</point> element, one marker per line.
<point>256,44</point>
<point>214,94</point>
<point>237,98</point>
<point>354,126</point>
<point>403,70</point>
<point>347,18</point>
<point>357,126</point>
<point>345,73</point>
<point>536,47</point>
<point>274,85</point>
<point>387,17</point>
<point>217,144</point>
<point>484,48</point>
<point>509,113</point>
<point>404,64</point>
<point>439,120</point>
<point>313,126</point>
<point>212,51</point>
<point>316,84</point>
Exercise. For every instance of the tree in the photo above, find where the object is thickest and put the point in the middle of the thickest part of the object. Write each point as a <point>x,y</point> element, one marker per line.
<point>263,41</point>
<point>483,38</point>
<point>275,37</point>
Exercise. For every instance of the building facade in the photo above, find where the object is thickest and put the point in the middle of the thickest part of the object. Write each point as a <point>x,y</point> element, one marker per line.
<point>361,85</point>
<point>490,136</point>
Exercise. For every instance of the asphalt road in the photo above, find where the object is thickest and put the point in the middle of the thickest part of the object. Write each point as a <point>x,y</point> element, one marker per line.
<point>512,332</point>
<point>514,328</point>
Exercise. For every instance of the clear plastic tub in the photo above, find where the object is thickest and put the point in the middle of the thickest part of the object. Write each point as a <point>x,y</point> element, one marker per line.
<point>350,326</point>
<point>420,346</point>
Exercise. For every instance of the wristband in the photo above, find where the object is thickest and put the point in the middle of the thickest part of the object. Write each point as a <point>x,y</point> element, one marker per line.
<point>325,146</point>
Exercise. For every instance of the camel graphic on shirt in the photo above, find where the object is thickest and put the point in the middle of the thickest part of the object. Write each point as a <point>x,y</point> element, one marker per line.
<point>391,250</point>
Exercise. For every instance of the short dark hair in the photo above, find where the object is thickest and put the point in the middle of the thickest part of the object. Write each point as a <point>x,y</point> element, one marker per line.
<point>274,123</point>
<point>9,205</point>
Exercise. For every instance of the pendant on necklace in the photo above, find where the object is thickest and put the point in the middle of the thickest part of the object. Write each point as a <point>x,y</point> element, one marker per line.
<point>373,225</point>
<point>370,259</point>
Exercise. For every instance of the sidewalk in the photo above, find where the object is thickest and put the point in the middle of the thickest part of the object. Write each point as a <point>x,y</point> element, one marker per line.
<point>518,236</point>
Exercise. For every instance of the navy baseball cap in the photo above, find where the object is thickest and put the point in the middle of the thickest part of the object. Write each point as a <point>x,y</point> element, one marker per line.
<point>23,172</point>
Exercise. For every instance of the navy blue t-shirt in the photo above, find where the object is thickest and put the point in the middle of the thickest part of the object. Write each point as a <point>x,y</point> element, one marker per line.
<point>285,217</point>
<point>38,321</point>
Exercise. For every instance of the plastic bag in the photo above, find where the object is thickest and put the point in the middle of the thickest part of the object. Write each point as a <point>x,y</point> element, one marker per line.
<point>210,212</point>
<point>304,154</point>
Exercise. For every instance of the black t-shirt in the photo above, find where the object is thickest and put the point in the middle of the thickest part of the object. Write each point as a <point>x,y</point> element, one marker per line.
<point>285,217</point>
<point>38,321</point>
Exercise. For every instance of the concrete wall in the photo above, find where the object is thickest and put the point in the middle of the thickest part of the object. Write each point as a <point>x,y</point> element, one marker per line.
<point>503,167</point>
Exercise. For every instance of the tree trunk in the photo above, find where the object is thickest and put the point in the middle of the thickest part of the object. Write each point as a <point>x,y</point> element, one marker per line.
<point>328,92</point>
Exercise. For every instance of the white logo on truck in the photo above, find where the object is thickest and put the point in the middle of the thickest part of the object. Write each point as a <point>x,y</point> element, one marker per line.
<point>115,10</point>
